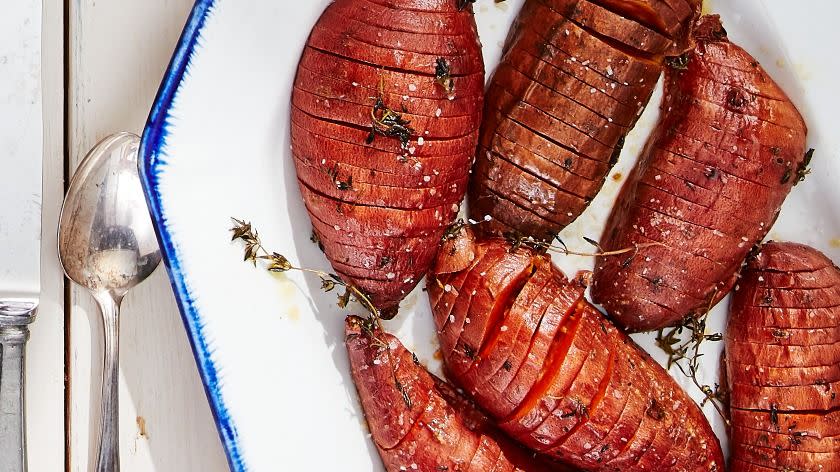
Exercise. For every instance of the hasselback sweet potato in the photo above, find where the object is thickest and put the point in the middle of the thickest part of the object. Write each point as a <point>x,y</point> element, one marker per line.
<point>386,109</point>
<point>783,362</point>
<point>552,371</point>
<point>726,152</point>
<point>574,78</point>
<point>419,422</point>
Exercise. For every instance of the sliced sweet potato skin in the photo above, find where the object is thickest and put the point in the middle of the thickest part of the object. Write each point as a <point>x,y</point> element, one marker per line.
<point>575,76</point>
<point>783,371</point>
<point>395,194</point>
<point>552,371</point>
<point>419,422</point>
<point>708,187</point>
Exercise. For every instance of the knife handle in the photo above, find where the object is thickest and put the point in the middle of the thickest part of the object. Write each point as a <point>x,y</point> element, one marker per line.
<point>12,421</point>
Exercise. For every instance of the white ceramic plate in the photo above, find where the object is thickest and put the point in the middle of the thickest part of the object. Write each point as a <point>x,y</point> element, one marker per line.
<point>270,348</point>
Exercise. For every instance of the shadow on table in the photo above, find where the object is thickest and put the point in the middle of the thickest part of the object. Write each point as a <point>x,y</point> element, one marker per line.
<point>171,424</point>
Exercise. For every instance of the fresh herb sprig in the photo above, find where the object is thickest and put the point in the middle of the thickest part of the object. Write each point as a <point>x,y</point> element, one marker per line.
<point>678,62</point>
<point>276,262</point>
<point>387,122</point>
<point>803,169</point>
<point>684,353</point>
<point>561,248</point>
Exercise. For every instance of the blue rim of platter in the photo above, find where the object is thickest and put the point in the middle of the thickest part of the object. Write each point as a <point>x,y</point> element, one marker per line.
<point>152,160</point>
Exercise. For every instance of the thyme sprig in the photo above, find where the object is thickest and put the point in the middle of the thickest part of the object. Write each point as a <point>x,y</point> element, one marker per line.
<point>276,262</point>
<point>684,353</point>
<point>387,122</point>
<point>678,62</point>
<point>561,248</point>
<point>803,169</point>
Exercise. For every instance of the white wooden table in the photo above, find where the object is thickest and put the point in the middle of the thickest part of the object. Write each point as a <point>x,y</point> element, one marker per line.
<point>102,62</point>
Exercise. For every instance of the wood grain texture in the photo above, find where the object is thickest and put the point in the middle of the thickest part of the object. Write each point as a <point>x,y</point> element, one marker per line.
<point>118,52</point>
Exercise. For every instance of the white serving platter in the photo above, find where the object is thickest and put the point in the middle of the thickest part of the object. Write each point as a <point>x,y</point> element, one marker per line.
<point>270,348</point>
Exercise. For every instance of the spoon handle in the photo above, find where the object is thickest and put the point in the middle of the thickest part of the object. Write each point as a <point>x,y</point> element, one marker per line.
<point>109,439</point>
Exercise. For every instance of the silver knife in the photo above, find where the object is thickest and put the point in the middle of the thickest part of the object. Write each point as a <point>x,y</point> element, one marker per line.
<point>21,151</point>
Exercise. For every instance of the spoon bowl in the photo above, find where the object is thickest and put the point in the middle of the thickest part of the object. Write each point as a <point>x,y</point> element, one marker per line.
<point>106,240</point>
<point>107,244</point>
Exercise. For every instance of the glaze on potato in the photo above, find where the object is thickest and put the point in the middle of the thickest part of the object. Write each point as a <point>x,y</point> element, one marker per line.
<point>727,150</point>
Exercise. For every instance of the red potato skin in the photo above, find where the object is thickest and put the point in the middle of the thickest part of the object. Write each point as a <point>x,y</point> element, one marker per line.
<point>519,338</point>
<point>419,422</point>
<point>783,362</point>
<point>573,81</point>
<point>725,154</point>
<point>379,208</point>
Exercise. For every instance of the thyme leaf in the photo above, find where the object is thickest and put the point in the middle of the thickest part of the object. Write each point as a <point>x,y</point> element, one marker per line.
<point>678,62</point>
<point>389,123</point>
<point>685,354</point>
<point>443,75</point>
<point>803,168</point>
<point>462,4</point>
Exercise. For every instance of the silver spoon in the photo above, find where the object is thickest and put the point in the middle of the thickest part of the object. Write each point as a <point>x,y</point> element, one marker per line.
<point>107,244</point>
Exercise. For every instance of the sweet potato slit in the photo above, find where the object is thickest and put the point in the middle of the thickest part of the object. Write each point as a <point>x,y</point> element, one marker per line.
<point>561,109</point>
<point>606,40</point>
<point>557,59</point>
<point>593,404</point>
<point>339,57</point>
<point>365,205</point>
<point>544,136</point>
<point>500,313</point>
<point>530,117</point>
<point>521,157</point>
<point>550,219</point>
<point>366,129</point>
<point>523,97</point>
<point>568,80</point>
<point>635,12</point>
<point>560,346</point>
<point>543,178</point>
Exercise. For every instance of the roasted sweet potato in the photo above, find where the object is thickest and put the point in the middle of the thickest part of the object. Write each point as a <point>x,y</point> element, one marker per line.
<point>386,109</point>
<point>419,422</point>
<point>552,371</point>
<point>575,76</point>
<point>726,152</point>
<point>783,362</point>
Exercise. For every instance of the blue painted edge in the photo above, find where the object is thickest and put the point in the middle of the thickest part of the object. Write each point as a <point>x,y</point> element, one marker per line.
<point>151,161</point>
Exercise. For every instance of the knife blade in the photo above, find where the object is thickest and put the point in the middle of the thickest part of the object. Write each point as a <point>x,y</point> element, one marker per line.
<point>21,151</point>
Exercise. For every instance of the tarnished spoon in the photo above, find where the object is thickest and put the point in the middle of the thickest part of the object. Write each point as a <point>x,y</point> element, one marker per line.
<point>107,244</point>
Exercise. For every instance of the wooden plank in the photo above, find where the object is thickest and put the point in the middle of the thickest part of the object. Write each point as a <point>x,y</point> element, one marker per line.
<point>117,54</point>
